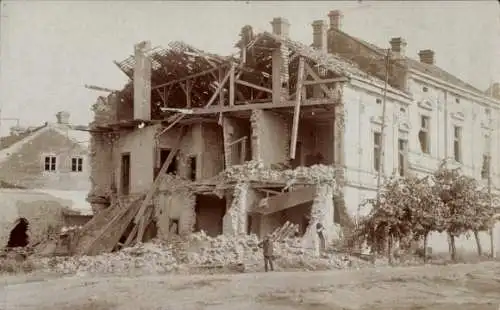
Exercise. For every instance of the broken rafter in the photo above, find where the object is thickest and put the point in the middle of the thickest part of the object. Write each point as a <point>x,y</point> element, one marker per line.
<point>218,90</point>
<point>248,84</point>
<point>326,90</point>
<point>296,113</point>
<point>189,77</point>
<point>264,105</point>
<point>177,118</point>
<point>231,85</point>
<point>326,81</point>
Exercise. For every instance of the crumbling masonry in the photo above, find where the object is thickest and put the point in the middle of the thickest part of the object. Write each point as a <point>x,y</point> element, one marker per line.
<point>227,145</point>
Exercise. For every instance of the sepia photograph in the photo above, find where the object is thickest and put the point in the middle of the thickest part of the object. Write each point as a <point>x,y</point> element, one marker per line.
<point>274,155</point>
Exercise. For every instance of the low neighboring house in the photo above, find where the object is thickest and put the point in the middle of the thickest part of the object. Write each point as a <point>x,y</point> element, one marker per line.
<point>48,167</point>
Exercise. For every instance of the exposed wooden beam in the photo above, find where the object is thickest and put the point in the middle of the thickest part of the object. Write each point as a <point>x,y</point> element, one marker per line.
<point>218,90</point>
<point>161,96</point>
<point>265,105</point>
<point>232,86</point>
<point>189,77</point>
<point>286,200</point>
<point>245,83</point>
<point>159,178</point>
<point>221,94</point>
<point>186,88</point>
<point>326,81</point>
<point>296,112</point>
<point>326,90</point>
<point>176,120</point>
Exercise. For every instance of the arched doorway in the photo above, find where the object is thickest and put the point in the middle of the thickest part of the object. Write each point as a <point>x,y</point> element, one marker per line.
<point>19,234</point>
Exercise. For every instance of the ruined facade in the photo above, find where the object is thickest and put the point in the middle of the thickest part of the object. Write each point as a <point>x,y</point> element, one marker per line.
<point>236,145</point>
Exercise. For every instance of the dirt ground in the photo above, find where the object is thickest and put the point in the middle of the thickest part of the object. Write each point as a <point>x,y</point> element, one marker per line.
<point>462,286</point>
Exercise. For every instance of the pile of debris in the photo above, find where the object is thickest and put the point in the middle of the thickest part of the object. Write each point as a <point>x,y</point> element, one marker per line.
<point>256,171</point>
<point>201,252</point>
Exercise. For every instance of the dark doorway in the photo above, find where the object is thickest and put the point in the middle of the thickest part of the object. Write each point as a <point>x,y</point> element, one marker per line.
<point>210,210</point>
<point>125,174</point>
<point>19,234</point>
<point>172,168</point>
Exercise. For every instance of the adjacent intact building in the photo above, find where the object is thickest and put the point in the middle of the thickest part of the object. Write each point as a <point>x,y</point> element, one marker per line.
<point>44,175</point>
<point>283,132</point>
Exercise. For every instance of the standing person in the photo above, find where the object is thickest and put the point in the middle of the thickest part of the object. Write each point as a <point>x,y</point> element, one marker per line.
<point>267,249</point>
<point>320,231</point>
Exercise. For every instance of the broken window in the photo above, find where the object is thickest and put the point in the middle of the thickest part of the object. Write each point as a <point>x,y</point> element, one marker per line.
<point>457,143</point>
<point>192,168</point>
<point>423,134</point>
<point>125,174</point>
<point>485,169</point>
<point>50,163</point>
<point>77,164</point>
<point>377,150</point>
<point>402,153</point>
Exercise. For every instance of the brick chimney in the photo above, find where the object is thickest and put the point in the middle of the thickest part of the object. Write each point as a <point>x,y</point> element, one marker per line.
<point>280,61</point>
<point>281,26</point>
<point>398,47</point>
<point>62,117</point>
<point>427,56</point>
<point>335,19</point>
<point>319,35</point>
<point>142,81</point>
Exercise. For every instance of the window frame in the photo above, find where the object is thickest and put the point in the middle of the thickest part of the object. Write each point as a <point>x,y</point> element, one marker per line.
<point>52,163</point>
<point>425,130</point>
<point>78,165</point>
<point>457,143</point>
<point>402,155</point>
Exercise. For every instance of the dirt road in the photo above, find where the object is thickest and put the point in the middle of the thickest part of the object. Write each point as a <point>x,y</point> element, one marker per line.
<point>474,286</point>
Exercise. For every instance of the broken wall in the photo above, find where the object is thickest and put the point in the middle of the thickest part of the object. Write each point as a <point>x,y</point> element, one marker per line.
<point>203,141</point>
<point>43,212</point>
<point>270,137</point>
<point>101,164</point>
<point>322,211</point>
<point>212,153</point>
<point>139,144</point>
<point>174,203</point>
<point>235,221</point>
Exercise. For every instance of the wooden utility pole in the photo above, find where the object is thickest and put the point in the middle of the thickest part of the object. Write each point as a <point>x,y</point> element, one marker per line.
<point>382,141</point>
<point>382,129</point>
<point>490,198</point>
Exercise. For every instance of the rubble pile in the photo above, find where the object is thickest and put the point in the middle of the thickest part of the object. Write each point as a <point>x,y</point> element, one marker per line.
<point>256,171</point>
<point>197,250</point>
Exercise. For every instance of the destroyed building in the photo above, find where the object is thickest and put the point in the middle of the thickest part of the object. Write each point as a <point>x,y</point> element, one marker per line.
<point>241,144</point>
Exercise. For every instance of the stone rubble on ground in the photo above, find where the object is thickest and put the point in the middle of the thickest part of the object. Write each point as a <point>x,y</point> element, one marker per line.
<point>198,250</point>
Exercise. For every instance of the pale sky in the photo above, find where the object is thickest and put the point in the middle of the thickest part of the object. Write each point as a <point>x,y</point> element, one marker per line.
<point>49,50</point>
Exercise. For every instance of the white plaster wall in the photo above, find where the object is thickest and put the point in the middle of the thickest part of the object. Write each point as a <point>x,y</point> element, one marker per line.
<point>140,144</point>
<point>363,117</point>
